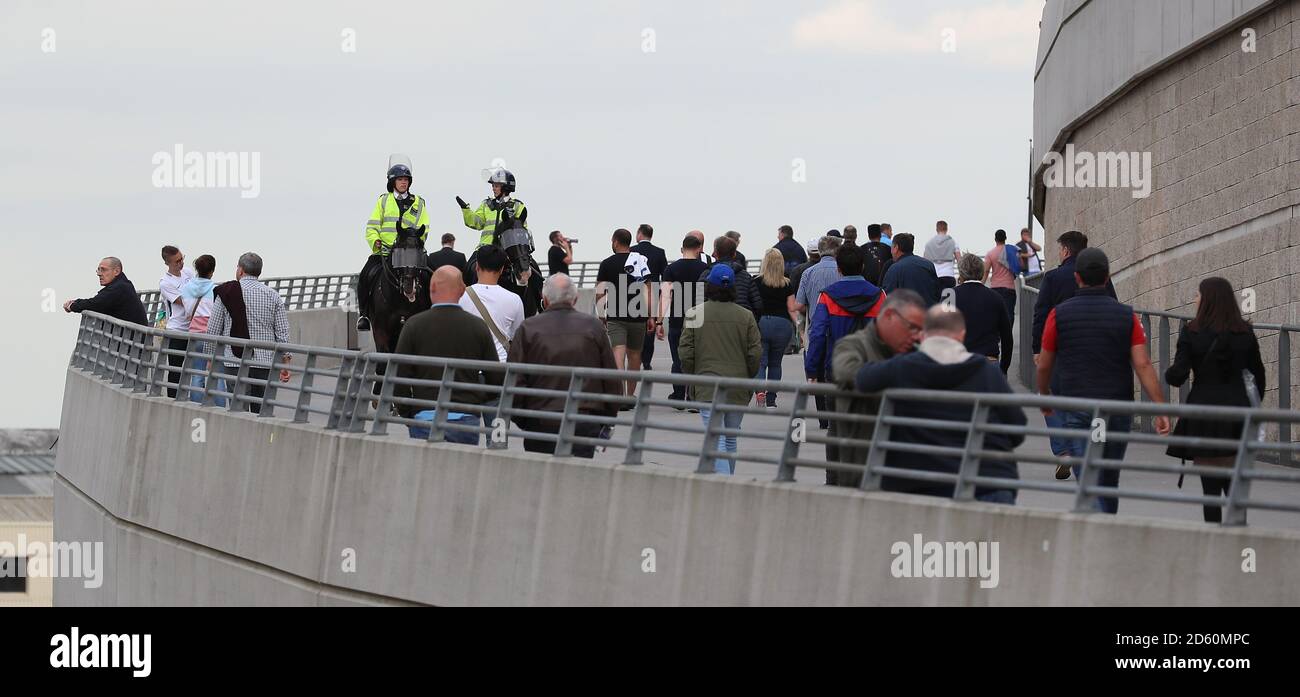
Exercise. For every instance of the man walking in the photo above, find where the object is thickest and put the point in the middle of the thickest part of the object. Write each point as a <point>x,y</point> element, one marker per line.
<point>942,251</point>
<point>447,255</point>
<point>911,272</point>
<point>1091,347</point>
<point>501,310</point>
<point>680,292</point>
<point>565,337</point>
<point>657,261</point>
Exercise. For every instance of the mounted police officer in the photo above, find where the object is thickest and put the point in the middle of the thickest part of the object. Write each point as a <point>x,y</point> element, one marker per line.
<point>498,211</point>
<point>396,211</point>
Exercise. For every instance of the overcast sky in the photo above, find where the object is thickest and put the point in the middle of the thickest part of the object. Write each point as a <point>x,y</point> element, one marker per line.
<point>679,114</point>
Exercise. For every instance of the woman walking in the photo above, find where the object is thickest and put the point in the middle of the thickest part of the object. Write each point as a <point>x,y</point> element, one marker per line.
<point>1214,348</point>
<point>722,339</point>
<point>777,322</point>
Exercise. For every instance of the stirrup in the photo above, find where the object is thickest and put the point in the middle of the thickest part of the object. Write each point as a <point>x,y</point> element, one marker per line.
<point>363,324</point>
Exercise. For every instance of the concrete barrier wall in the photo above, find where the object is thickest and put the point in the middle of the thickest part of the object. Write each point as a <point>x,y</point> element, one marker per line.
<point>265,512</point>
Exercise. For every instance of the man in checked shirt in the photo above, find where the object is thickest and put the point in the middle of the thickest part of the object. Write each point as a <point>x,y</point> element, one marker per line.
<point>247,308</point>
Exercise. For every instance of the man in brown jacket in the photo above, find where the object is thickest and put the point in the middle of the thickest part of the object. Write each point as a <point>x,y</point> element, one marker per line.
<point>562,336</point>
<point>897,329</point>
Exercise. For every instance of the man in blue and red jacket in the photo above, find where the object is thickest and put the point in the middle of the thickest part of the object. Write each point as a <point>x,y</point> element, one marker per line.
<point>844,307</point>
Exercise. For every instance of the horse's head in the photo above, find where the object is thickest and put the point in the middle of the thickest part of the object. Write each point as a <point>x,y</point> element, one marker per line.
<point>408,261</point>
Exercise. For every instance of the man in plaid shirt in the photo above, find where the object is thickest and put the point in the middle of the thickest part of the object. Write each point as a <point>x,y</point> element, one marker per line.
<point>266,321</point>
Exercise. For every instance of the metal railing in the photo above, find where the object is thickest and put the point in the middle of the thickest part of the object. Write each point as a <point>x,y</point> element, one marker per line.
<point>298,292</point>
<point>1162,347</point>
<point>362,399</point>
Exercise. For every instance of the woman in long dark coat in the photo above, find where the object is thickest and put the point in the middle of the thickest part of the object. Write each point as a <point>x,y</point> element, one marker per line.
<point>1215,348</point>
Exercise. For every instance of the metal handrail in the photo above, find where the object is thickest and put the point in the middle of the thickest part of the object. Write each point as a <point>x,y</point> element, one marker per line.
<point>135,358</point>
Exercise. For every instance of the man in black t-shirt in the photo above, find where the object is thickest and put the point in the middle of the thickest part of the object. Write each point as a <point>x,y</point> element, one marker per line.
<point>680,292</point>
<point>658,261</point>
<point>623,301</point>
<point>560,255</point>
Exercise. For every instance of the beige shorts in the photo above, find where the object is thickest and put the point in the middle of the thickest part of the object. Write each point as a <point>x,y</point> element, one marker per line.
<point>629,333</point>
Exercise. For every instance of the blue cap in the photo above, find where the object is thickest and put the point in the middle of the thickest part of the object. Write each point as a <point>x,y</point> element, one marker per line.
<point>721,275</point>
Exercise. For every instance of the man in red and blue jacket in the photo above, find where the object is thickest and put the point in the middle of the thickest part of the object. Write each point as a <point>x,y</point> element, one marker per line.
<point>844,307</point>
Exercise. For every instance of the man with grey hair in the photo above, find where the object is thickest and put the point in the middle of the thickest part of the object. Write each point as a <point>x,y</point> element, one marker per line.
<point>562,336</point>
<point>895,331</point>
<point>116,297</point>
<point>942,362</point>
<point>246,308</point>
<point>735,237</point>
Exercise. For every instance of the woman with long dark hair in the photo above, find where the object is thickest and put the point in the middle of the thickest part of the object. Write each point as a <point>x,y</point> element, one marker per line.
<point>1214,348</point>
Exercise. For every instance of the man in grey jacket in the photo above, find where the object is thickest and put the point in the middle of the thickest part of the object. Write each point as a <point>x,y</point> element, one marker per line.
<point>942,251</point>
<point>897,330</point>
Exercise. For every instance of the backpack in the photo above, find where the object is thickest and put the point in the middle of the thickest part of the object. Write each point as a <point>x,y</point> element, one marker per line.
<point>1012,255</point>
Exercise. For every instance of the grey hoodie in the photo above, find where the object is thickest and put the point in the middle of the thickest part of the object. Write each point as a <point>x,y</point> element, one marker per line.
<point>940,249</point>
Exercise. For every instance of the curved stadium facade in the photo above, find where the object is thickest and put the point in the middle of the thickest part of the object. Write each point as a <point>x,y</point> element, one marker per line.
<point>1211,90</point>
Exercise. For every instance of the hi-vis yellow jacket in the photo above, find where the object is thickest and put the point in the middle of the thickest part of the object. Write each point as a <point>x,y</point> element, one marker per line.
<point>485,218</point>
<point>382,225</point>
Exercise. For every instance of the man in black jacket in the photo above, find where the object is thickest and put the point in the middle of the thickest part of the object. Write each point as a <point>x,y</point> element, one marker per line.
<point>117,298</point>
<point>447,255</point>
<point>1059,285</point>
<point>724,252</point>
<point>657,261</point>
<point>988,326</point>
<point>943,363</point>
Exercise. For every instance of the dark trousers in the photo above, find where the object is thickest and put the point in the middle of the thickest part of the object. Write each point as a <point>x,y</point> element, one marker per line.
<point>1009,298</point>
<point>674,338</point>
<point>257,391</point>
<point>365,282</point>
<point>947,282</point>
<point>174,376</point>
<point>647,350</point>
<point>584,430</point>
<point>1215,486</point>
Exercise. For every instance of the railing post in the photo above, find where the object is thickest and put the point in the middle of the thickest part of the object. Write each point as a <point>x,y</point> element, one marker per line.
<point>706,463</point>
<point>141,362</point>
<point>300,413</point>
<point>1089,476</point>
<point>964,490</point>
<point>158,375</point>
<point>239,381</point>
<point>438,429</point>
<point>640,419</point>
<point>876,454</point>
<point>183,381</point>
<point>342,400</point>
<point>1239,489</point>
<point>272,385</point>
<point>380,426</point>
<point>795,425</point>
<point>1284,431</point>
<point>504,406</point>
<point>568,427</point>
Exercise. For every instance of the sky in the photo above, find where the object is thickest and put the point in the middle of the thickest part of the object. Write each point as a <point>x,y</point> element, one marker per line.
<point>710,114</point>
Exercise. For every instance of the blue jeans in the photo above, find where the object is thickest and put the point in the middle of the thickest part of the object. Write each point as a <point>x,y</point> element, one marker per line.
<point>451,436</point>
<point>197,382</point>
<point>1111,450</point>
<point>776,333</point>
<point>726,444</point>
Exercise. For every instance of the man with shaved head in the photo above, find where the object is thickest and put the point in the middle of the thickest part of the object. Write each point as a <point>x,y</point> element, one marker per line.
<point>942,363</point>
<point>703,256</point>
<point>116,297</point>
<point>446,331</point>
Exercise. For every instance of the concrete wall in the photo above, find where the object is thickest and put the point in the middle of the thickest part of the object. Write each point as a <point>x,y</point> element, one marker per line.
<point>266,513</point>
<point>1223,130</point>
<point>1091,50</point>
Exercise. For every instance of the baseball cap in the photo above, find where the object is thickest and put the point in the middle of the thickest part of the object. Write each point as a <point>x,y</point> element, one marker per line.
<point>721,275</point>
<point>812,244</point>
<point>834,233</point>
<point>1091,259</point>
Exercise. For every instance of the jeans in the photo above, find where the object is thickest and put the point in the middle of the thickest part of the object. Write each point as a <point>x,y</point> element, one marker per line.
<point>1008,298</point>
<point>1007,496</point>
<point>449,435</point>
<point>197,382</point>
<point>257,391</point>
<point>1111,450</point>
<point>581,429</point>
<point>726,444</point>
<point>674,338</point>
<point>776,333</point>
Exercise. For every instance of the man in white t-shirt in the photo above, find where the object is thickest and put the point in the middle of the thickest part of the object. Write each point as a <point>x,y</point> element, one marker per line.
<point>169,288</point>
<point>504,307</point>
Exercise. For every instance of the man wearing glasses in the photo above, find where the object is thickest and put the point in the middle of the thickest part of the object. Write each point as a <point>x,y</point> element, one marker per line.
<point>897,330</point>
<point>116,297</point>
<point>178,320</point>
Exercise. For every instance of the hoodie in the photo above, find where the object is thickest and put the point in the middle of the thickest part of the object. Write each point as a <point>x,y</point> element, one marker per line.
<point>846,306</point>
<point>942,363</point>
